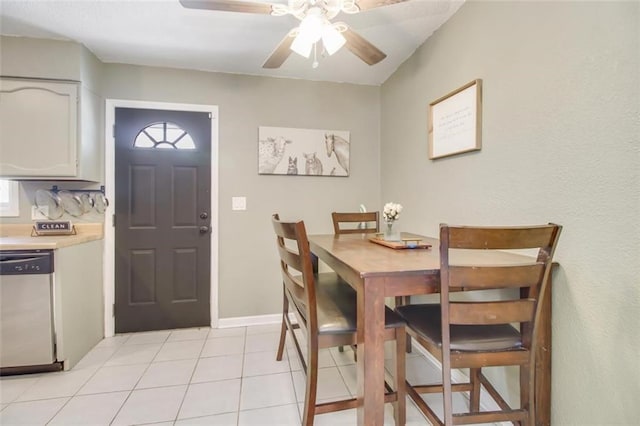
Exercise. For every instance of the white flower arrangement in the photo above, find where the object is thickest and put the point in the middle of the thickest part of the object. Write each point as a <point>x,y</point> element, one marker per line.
<point>391,212</point>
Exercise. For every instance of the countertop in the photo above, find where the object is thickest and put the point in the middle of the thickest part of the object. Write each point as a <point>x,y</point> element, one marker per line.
<point>18,237</point>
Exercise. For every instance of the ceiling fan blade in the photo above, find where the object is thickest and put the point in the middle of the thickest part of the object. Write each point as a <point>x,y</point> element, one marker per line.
<point>280,54</point>
<point>228,6</point>
<point>372,4</point>
<point>360,47</point>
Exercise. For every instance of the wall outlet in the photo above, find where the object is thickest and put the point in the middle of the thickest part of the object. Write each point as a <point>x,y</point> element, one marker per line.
<point>36,215</point>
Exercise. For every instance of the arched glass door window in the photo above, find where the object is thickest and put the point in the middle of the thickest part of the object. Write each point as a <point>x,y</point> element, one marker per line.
<point>165,135</point>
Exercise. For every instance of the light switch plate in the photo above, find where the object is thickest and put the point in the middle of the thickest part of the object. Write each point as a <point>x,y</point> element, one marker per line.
<point>238,203</point>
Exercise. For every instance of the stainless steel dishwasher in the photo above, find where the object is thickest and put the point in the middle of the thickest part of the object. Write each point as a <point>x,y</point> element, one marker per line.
<point>27,335</point>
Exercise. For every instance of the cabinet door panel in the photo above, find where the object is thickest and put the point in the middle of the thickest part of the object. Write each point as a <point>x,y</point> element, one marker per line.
<point>38,128</point>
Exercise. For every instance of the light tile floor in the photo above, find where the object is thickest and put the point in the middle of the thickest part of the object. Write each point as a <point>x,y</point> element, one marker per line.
<point>191,377</point>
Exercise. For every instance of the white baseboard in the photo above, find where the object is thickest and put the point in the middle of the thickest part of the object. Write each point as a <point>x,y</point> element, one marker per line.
<point>249,321</point>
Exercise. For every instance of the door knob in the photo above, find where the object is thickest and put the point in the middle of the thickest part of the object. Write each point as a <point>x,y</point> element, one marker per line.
<point>204,215</point>
<point>204,229</point>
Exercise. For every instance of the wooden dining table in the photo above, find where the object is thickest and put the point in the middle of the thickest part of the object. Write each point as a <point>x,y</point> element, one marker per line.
<point>377,272</point>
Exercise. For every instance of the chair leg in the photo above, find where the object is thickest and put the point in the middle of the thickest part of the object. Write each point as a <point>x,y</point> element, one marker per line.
<point>355,355</point>
<point>447,392</point>
<point>311,385</point>
<point>283,329</point>
<point>401,301</point>
<point>527,384</point>
<point>400,406</point>
<point>474,397</point>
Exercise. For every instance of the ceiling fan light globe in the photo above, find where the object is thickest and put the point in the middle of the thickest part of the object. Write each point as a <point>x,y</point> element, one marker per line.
<point>301,46</point>
<point>332,39</point>
<point>311,28</point>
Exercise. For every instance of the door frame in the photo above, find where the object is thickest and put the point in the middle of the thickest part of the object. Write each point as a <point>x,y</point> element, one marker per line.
<point>109,231</point>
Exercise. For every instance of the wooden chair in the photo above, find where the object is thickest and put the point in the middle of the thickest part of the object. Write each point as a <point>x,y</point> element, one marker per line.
<point>350,223</point>
<point>479,333</point>
<point>326,311</point>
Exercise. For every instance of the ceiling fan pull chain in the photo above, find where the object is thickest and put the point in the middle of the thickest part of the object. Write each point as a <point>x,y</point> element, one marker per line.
<point>315,55</point>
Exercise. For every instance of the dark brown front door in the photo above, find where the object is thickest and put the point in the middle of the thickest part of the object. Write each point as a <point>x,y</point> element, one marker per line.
<point>162,218</point>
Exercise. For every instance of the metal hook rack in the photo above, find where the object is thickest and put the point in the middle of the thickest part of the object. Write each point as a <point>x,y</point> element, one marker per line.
<point>55,189</point>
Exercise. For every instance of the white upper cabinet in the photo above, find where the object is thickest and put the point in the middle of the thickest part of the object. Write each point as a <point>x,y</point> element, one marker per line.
<point>46,131</point>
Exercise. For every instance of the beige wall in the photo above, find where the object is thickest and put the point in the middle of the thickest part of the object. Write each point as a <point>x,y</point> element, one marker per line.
<point>249,278</point>
<point>39,58</point>
<point>561,143</point>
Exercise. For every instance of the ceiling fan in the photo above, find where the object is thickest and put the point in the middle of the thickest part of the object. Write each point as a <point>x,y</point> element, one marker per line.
<point>315,25</point>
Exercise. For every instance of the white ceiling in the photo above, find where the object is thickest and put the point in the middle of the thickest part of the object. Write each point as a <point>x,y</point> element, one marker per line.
<point>163,33</point>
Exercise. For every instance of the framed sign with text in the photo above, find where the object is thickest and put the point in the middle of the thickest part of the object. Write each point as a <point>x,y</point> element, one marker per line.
<point>455,121</point>
<point>41,228</point>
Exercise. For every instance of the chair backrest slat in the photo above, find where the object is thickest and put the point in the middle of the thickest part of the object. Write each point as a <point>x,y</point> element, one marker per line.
<point>370,220</point>
<point>486,277</point>
<point>293,281</point>
<point>501,238</point>
<point>483,313</point>
<point>290,258</point>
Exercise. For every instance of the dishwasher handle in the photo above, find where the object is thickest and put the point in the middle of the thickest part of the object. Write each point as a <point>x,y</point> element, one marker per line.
<point>8,260</point>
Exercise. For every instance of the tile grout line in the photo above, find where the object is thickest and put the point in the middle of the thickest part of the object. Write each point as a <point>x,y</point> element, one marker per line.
<point>211,381</point>
<point>113,419</point>
<point>74,394</point>
<point>191,377</point>
<point>83,385</point>
<point>293,382</point>
<point>244,353</point>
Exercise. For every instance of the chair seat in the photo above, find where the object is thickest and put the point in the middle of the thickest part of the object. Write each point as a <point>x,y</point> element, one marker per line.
<point>337,306</point>
<point>425,319</point>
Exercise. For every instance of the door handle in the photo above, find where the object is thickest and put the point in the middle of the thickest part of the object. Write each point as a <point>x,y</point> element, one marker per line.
<point>204,215</point>
<point>204,229</point>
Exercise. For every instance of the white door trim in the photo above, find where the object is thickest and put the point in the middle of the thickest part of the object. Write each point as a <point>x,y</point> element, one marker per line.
<point>109,233</point>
